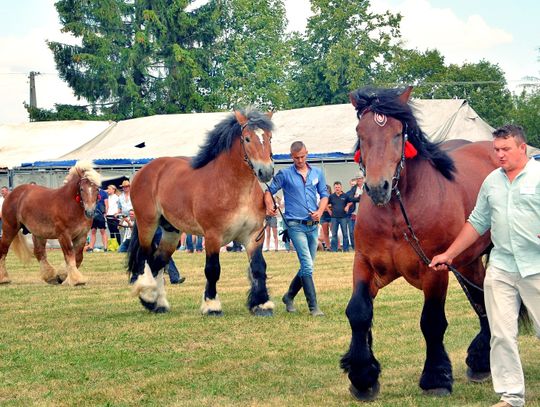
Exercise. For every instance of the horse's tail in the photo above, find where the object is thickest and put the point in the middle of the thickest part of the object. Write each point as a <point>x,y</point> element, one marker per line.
<point>135,258</point>
<point>21,248</point>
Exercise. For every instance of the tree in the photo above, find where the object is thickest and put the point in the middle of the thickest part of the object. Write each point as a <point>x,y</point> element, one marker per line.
<point>137,57</point>
<point>412,67</point>
<point>482,84</point>
<point>252,55</point>
<point>345,47</point>
<point>527,114</point>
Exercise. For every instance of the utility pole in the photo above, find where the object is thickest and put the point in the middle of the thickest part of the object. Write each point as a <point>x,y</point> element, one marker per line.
<point>32,77</point>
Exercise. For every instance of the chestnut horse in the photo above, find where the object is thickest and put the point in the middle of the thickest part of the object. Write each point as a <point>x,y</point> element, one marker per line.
<point>216,195</point>
<point>437,189</point>
<point>64,213</point>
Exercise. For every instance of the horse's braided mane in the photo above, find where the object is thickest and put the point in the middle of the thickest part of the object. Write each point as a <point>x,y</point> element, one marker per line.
<point>83,168</point>
<point>385,101</point>
<point>220,139</point>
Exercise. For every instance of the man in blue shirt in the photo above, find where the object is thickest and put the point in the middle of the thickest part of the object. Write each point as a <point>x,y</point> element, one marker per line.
<point>508,204</point>
<point>302,184</point>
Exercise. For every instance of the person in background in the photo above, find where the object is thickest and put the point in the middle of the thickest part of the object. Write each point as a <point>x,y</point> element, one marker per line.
<point>124,200</point>
<point>302,185</point>
<point>271,229</point>
<point>112,212</point>
<point>4,192</point>
<point>340,203</point>
<point>324,237</point>
<point>126,223</point>
<point>198,243</point>
<point>508,205</point>
<point>354,194</point>
<point>99,221</point>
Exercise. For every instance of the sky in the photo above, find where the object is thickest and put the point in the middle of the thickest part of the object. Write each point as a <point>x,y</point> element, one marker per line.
<point>503,33</point>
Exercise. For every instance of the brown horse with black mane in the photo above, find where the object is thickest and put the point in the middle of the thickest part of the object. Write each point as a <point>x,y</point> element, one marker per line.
<point>416,189</point>
<point>64,213</point>
<point>217,195</point>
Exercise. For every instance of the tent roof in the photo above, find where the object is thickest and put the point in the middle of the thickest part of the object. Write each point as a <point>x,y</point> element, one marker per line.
<point>44,140</point>
<point>327,131</point>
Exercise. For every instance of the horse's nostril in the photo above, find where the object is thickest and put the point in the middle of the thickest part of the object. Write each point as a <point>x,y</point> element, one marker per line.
<point>386,185</point>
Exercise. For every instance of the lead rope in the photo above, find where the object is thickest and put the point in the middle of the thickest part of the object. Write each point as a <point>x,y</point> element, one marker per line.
<point>415,244</point>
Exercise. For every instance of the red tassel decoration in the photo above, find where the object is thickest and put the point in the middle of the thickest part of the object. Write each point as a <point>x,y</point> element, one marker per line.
<point>410,150</point>
<point>78,198</point>
<point>357,156</point>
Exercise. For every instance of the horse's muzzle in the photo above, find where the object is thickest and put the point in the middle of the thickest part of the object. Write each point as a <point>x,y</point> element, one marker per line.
<point>380,194</point>
<point>264,172</point>
<point>89,213</point>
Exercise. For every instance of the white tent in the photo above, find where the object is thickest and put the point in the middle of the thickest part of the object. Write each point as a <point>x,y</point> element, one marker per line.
<point>30,142</point>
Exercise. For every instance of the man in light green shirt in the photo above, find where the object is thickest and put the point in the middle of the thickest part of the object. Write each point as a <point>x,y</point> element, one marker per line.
<point>508,204</point>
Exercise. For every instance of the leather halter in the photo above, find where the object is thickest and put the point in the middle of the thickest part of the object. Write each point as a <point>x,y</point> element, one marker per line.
<point>246,157</point>
<point>401,165</point>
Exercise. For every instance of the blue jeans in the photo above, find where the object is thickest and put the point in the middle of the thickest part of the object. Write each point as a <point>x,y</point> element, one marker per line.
<point>343,224</point>
<point>350,225</point>
<point>305,241</point>
<point>198,243</point>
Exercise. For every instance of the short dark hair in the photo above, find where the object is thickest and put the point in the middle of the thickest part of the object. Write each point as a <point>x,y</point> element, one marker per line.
<point>297,146</point>
<point>511,130</point>
<point>337,183</point>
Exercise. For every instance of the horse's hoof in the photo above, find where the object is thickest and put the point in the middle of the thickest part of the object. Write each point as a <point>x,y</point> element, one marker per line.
<point>369,394</point>
<point>437,392</point>
<point>53,281</point>
<point>161,310</point>
<point>478,377</point>
<point>262,312</point>
<point>150,306</point>
<point>5,281</point>
<point>215,313</point>
<point>61,278</point>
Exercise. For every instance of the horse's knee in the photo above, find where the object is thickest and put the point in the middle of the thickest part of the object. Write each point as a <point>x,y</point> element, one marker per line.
<point>359,310</point>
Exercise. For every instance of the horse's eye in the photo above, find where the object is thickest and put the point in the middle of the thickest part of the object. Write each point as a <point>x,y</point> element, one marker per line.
<point>247,139</point>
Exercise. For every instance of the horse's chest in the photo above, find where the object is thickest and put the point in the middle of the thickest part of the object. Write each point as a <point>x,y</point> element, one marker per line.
<point>244,221</point>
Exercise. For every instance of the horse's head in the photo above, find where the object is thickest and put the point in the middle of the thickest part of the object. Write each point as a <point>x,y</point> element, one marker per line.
<point>256,141</point>
<point>88,196</point>
<point>382,139</point>
<point>88,181</point>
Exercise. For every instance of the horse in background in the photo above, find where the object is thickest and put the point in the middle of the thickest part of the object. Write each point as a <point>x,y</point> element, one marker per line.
<point>64,213</point>
<point>416,188</point>
<point>216,195</point>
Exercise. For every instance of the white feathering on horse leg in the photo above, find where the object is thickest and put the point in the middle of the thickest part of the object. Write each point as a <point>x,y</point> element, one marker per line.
<point>210,305</point>
<point>268,305</point>
<point>146,286</point>
<point>161,294</point>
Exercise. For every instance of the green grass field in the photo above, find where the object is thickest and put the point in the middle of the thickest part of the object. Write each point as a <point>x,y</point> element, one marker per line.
<point>96,346</point>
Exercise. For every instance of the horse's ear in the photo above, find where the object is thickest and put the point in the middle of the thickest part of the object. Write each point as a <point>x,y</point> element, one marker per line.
<point>240,118</point>
<point>352,99</point>
<point>270,113</point>
<point>405,96</point>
